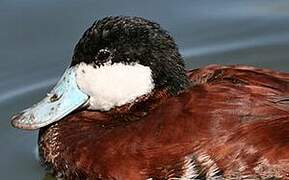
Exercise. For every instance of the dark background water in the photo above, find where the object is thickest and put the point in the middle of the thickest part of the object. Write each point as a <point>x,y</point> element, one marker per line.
<point>37,38</point>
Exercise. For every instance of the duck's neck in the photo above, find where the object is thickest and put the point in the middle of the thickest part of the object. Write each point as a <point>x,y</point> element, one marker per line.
<point>140,107</point>
<point>171,75</point>
<point>179,83</point>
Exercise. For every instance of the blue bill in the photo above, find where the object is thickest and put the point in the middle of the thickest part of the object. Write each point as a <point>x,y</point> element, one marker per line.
<point>64,98</point>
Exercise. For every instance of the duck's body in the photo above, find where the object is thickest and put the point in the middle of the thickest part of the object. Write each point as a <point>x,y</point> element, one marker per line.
<point>126,108</point>
<point>232,123</point>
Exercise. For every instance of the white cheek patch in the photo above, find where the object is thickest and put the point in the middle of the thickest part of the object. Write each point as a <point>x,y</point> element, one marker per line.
<point>113,85</point>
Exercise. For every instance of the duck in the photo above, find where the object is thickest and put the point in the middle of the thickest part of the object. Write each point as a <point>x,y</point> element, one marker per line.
<point>127,108</point>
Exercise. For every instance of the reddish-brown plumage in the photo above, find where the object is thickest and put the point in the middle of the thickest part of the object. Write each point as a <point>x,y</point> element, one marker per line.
<point>234,120</point>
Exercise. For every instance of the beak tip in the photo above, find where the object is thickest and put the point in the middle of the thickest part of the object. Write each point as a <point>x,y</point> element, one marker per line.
<point>16,119</point>
<point>17,116</point>
<point>20,121</point>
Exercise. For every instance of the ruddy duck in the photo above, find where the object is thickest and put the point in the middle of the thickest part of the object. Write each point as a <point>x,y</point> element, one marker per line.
<point>126,108</point>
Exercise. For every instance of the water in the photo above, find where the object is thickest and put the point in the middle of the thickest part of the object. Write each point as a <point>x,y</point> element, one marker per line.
<point>37,38</point>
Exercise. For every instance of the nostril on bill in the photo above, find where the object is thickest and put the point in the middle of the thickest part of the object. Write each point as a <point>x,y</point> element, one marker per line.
<point>54,98</point>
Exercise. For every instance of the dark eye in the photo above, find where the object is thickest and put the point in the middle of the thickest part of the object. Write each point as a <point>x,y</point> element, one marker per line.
<point>103,55</point>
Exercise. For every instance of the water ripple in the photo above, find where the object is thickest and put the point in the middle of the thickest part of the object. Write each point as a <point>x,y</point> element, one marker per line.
<point>235,45</point>
<point>25,89</point>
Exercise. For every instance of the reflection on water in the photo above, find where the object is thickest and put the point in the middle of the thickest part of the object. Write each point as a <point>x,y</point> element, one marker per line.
<point>37,38</point>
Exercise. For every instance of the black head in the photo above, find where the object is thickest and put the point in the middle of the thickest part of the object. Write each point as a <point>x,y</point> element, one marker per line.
<point>134,40</point>
<point>117,60</point>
